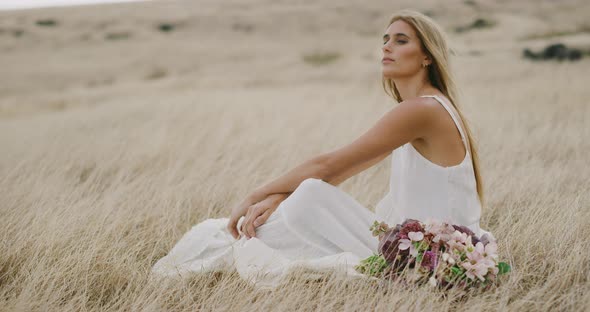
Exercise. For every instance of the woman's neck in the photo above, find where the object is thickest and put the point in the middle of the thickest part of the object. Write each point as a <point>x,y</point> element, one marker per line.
<point>414,86</point>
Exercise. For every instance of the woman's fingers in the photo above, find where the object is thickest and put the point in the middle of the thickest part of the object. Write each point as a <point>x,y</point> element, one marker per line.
<point>234,225</point>
<point>243,226</point>
<point>246,221</point>
<point>256,215</point>
<point>231,227</point>
<point>253,212</point>
<point>250,226</point>
<point>262,218</point>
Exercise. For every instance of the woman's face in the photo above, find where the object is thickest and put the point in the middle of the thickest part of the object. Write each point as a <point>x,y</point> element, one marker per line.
<point>401,44</point>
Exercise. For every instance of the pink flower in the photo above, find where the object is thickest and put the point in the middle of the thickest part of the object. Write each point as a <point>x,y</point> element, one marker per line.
<point>457,241</point>
<point>459,237</point>
<point>479,262</point>
<point>481,253</point>
<point>469,248</point>
<point>455,244</point>
<point>433,226</point>
<point>478,269</point>
<point>407,243</point>
<point>490,251</point>
<point>440,230</point>
<point>474,256</point>
<point>441,237</point>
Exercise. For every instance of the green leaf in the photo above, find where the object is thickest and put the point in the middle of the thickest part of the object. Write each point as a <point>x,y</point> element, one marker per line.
<point>372,265</point>
<point>503,268</point>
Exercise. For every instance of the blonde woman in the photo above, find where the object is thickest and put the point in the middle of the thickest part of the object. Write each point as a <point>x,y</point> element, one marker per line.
<point>303,218</point>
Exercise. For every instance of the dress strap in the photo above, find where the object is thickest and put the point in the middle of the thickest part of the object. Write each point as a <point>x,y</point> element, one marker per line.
<point>444,104</point>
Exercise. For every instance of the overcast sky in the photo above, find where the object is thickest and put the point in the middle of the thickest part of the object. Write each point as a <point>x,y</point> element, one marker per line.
<point>25,4</point>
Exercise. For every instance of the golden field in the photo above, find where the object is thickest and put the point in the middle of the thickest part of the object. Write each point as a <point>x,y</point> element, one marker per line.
<point>116,137</point>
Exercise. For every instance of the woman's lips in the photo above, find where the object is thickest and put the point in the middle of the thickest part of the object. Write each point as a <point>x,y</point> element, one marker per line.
<point>385,61</point>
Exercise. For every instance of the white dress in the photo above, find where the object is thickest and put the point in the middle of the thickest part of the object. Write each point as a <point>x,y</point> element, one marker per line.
<point>321,227</point>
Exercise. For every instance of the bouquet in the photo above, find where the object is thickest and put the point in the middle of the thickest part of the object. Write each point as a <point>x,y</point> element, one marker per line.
<point>438,253</point>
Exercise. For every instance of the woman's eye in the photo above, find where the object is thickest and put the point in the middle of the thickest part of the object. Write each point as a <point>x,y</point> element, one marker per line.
<point>401,41</point>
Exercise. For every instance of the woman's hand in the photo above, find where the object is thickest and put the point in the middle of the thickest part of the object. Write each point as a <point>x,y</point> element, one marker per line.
<point>243,208</point>
<point>258,213</point>
<point>236,213</point>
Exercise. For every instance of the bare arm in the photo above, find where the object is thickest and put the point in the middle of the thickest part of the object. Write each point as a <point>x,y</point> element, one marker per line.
<point>337,179</point>
<point>407,121</point>
<point>410,120</point>
<point>287,183</point>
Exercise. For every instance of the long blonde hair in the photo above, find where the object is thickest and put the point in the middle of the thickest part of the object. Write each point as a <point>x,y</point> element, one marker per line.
<point>434,43</point>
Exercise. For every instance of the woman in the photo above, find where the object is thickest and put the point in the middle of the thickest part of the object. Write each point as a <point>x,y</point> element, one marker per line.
<point>302,218</point>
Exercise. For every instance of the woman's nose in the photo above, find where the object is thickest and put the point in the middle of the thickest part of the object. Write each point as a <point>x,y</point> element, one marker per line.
<point>386,47</point>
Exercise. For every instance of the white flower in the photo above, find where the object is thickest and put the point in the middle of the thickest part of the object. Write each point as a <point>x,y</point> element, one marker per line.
<point>432,281</point>
<point>416,236</point>
<point>451,260</point>
<point>404,244</point>
<point>407,243</point>
<point>459,237</point>
<point>448,258</point>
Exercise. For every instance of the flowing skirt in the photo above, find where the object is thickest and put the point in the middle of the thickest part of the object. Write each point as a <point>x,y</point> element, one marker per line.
<point>318,227</point>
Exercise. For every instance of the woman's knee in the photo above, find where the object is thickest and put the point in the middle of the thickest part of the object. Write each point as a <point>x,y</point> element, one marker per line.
<point>304,198</point>
<point>309,185</point>
<point>308,189</point>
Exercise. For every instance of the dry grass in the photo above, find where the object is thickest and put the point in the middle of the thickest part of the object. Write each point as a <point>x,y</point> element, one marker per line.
<point>98,181</point>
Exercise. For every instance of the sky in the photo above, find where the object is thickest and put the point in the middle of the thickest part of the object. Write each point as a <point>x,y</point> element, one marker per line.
<point>28,4</point>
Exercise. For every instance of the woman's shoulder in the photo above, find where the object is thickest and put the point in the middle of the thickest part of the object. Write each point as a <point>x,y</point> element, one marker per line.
<point>421,105</point>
